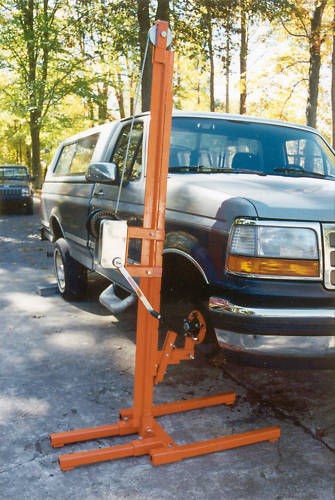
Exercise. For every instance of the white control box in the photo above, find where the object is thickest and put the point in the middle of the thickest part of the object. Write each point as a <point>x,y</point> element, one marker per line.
<point>113,243</point>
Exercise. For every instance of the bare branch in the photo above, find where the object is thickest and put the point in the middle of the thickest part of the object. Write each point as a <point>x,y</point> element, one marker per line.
<point>296,35</point>
<point>281,116</point>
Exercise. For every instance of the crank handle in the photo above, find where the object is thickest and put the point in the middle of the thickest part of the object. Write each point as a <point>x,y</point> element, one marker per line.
<point>118,265</point>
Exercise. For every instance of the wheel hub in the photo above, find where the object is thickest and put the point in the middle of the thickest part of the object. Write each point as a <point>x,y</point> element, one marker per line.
<point>195,326</point>
<point>60,273</point>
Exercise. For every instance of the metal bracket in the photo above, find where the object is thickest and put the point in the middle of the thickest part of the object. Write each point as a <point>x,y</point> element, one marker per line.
<point>170,354</point>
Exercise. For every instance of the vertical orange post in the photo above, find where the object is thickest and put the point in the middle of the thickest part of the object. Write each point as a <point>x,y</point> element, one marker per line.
<point>154,218</point>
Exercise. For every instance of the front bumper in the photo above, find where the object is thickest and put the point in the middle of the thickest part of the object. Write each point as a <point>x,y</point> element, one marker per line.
<point>288,332</point>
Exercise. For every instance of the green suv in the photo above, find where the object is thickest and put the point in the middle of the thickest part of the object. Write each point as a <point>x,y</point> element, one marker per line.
<point>15,188</point>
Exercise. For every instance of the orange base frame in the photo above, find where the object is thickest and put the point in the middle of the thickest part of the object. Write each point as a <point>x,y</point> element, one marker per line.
<point>155,442</point>
<point>152,439</point>
<point>150,363</point>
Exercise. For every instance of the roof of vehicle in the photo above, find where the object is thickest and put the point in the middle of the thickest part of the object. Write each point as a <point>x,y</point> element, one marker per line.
<point>240,118</point>
<point>231,117</point>
<point>193,114</point>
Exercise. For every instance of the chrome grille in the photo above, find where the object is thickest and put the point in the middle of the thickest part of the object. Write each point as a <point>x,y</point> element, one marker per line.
<point>10,192</point>
<point>329,252</point>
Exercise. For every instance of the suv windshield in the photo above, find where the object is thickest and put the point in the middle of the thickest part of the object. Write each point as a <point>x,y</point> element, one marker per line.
<point>9,172</point>
<point>213,145</point>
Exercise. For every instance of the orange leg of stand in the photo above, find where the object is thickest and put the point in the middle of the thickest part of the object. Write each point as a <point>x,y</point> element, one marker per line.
<point>150,364</point>
<point>169,455</point>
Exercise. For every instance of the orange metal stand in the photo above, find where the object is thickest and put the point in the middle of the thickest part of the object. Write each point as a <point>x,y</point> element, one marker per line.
<point>151,363</point>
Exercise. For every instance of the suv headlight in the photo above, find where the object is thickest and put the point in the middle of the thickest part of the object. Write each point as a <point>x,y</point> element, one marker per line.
<point>25,191</point>
<point>269,249</point>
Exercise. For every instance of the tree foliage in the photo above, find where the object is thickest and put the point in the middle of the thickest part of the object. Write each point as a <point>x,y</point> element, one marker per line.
<point>67,65</point>
<point>39,55</point>
<point>304,20</point>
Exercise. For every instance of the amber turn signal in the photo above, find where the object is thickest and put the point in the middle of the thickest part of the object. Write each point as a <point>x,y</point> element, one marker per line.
<point>273,267</point>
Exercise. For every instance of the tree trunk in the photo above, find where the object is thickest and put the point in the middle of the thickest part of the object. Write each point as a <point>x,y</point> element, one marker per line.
<point>211,64</point>
<point>102,103</point>
<point>120,98</point>
<point>35,148</point>
<point>27,156</point>
<point>314,64</point>
<point>35,85</point>
<point>243,61</point>
<point>163,10</point>
<point>144,26</point>
<point>333,84</point>
<point>227,61</point>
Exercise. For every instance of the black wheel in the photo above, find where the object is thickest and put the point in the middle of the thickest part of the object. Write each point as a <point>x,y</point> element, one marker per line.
<point>71,275</point>
<point>30,208</point>
<point>183,302</point>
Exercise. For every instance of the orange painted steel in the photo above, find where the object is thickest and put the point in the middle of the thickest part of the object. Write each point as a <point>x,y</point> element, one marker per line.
<point>121,428</point>
<point>151,363</point>
<point>227,398</point>
<point>168,455</point>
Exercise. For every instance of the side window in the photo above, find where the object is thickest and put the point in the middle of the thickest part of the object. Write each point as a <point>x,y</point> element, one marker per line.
<point>65,159</point>
<point>134,159</point>
<point>75,158</point>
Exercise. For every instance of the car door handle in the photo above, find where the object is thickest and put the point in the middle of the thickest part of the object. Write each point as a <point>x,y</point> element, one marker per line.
<point>99,193</point>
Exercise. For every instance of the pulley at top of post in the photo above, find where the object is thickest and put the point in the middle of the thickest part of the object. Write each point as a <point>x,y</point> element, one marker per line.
<point>152,33</point>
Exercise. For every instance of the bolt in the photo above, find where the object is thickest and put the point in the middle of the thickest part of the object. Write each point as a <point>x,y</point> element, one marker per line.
<point>191,356</point>
<point>164,34</point>
<point>117,262</point>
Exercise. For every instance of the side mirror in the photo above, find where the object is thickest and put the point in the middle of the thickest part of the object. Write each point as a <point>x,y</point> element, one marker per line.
<point>102,172</point>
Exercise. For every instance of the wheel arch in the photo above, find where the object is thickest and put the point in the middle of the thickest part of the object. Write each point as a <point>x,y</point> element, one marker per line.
<point>185,289</point>
<point>56,228</point>
<point>182,270</point>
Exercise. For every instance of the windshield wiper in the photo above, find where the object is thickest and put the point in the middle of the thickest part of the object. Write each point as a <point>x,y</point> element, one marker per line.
<point>289,170</point>
<point>209,170</point>
<point>195,168</point>
<point>300,171</point>
<point>245,171</point>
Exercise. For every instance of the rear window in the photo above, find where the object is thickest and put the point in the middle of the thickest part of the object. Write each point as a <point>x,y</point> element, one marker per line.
<point>75,158</point>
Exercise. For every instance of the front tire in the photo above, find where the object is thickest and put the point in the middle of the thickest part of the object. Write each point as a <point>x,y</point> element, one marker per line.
<point>184,293</point>
<point>71,275</point>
